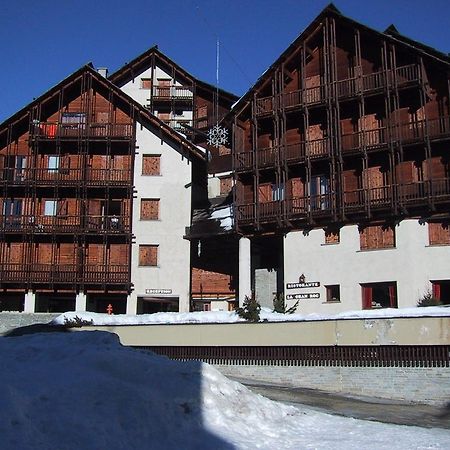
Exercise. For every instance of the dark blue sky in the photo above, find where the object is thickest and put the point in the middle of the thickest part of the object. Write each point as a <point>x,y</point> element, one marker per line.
<point>42,42</point>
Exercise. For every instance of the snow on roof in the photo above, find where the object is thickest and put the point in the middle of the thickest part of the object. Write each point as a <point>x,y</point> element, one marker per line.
<point>84,390</point>
<point>224,215</point>
<point>231,317</point>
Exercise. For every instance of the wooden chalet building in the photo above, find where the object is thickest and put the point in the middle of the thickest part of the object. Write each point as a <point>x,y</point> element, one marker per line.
<point>96,193</point>
<point>341,159</point>
<point>191,107</point>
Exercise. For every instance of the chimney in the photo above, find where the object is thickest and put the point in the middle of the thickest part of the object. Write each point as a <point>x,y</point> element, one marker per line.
<point>103,71</point>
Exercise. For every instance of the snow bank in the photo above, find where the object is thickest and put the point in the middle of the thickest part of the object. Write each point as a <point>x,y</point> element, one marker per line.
<point>85,391</point>
<point>230,317</point>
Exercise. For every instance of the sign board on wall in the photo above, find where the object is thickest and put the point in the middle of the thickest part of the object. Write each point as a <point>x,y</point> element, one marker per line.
<point>158,291</point>
<point>305,284</point>
<point>302,296</point>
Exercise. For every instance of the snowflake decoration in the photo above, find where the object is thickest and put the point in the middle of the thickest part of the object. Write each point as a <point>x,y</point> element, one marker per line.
<point>217,136</point>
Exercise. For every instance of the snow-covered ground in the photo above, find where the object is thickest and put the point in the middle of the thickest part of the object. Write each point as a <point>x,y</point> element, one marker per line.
<point>230,317</point>
<point>85,391</point>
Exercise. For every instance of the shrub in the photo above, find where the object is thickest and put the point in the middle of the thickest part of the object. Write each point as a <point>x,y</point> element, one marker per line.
<point>279,305</point>
<point>428,299</point>
<point>76,322</point>
<point>250,309</point>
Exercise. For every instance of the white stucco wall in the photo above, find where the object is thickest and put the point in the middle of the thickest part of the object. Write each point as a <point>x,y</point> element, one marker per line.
<point>412,264</point>
<point>173,189</point>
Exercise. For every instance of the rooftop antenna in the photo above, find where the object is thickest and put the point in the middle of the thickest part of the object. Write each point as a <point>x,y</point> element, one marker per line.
<point>217,135</point>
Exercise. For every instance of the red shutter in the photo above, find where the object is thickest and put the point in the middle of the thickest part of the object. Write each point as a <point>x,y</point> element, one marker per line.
<point>367,297</point>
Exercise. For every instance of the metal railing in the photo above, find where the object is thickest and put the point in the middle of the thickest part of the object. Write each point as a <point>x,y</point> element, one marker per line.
<point>346,356</point>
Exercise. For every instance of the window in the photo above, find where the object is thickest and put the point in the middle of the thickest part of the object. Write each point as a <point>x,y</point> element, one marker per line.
<point>318,190</point>
<point>376,237</point>
<point>150,209</point>
<point>278,192</point>
<point>332,237</point>
<point>53,163</point>
<point>333,293</point>
<point>148,255</point>
<point>226,184</point>
<point>146,83</point>
<point>379,295</point>
<point>438,233</point>
<point>75,118</point>
<point>151,165</point>
<point>441,291</point>
<point>12,207</point>
<point>50,207</point>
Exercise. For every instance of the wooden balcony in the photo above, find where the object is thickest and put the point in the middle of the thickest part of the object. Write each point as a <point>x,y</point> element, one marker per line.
<point>94,131</point>
<point>67,176</point>
<point>423,193</point>
<point>408,133</point>
<point>293,153</point>
<point>349,87</point>
<point>377,81</point>
<point>315,206</point>
<point>368,139</point>
<point>266,157</point>
<point>177,125</point>
<point>37,273</point>
<point>172,93</point>
<point>415,132</point>
<point>25,224</point>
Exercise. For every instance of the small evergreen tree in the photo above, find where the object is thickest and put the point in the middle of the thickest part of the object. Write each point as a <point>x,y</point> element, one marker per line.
<point>250,309</point>
<point>428,299</point>
<point>279,305</point>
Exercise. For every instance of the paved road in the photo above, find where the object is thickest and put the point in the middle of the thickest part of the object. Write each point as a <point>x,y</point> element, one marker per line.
<point>365,408</point>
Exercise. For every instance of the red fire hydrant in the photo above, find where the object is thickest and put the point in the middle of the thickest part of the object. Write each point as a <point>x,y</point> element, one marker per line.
<point>109,309</point>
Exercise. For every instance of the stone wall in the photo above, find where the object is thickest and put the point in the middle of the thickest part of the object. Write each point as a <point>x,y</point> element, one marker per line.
<point>12,320</point>
<point>429,385</point>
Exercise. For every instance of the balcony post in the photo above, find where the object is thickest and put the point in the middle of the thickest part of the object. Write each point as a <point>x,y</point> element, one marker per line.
<point>80,302</point>
<point>245,273</point>
<point>132,303</point>
<point>30,302</point>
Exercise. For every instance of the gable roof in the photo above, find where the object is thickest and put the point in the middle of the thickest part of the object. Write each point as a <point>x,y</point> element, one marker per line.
<point>141,114</point>
<point>390,34</point>
<point>142,62</point>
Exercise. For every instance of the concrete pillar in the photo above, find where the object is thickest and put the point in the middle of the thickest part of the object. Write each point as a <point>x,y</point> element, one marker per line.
<point>245,269</point>
<point>132,303</point>
<point>80,302</point>
<point>30,302</point>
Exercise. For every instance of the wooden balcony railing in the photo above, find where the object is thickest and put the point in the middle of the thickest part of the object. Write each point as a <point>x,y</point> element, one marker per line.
<point>264,105</point>
<point>348,87</point>
<point>421,192</point>
<point>244,160</point>
<point>67,176</point>
<point>172,93</point>
<point>64,273</point>
<point>177,125</point>
<point>267,157</point>
<point>370,139</point>
<point>269,210</point>
<point>53,130</point>
<point>294,152</point>
<point>318,148</point>
<point>424,193</point>
<point>61,224</point>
